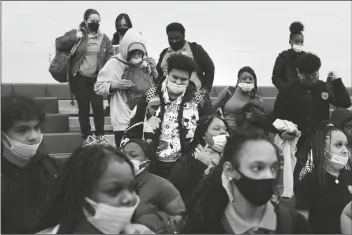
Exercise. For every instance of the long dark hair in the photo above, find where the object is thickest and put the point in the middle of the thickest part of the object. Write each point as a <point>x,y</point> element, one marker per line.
<point>81,172</point>
<point>212,198</point>
<point>86,15</point>
<point>202,128</point>
<point>317,144</point>
<point>118,19</point>
<point>147,150</point>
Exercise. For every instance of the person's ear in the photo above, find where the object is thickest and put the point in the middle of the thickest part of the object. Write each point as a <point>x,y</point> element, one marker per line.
<point>230,172</point>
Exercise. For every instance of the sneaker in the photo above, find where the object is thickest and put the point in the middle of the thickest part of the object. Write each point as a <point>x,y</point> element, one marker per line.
<point>89,141</point>
<point>102,140</point>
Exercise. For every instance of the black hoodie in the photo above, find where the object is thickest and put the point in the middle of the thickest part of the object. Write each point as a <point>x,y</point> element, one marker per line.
<point>285,68</point>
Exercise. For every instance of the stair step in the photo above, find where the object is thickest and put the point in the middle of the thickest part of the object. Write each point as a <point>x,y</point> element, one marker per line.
<point>65,107</point>
<point>107,128</point>
<point>49,104</point>
<point>74,121</point>
<point>56,123</point>
<point>66,142</point>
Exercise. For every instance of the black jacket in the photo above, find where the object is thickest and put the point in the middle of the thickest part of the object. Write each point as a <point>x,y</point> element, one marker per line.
<point>26,191</point>
<point>307,107</point>
<point>285,68</point>
<point>205,70</point>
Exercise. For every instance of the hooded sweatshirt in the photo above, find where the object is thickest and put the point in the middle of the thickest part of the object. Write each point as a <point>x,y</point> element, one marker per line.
<point>112,73</point>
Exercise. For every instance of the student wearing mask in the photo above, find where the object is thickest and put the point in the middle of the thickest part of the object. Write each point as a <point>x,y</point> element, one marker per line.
<point>28,174</point>
<point>326,189</point>
<point>236,197</point>
<point>232,100</point>
<point>97,195</point>
<point>93,51</point>
<point>159,199</point>
<point>285,68</point>
<point>167,115</point>
<point>122,24</point>
<point>203,76</point>
<point>205,153</point>
<point>310,98</point>
<point>346,219</point>
<point>111,80</point>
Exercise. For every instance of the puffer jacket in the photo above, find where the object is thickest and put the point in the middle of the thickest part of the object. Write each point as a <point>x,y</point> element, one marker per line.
<point>285,68</point>
<point>69,39</point>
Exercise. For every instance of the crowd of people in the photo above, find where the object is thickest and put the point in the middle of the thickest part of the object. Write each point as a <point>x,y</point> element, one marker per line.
<point>182,163</point>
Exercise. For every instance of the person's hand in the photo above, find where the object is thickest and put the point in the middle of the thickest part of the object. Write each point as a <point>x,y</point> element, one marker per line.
<point>122,85</point>
<point>154,122</point>
<point>334,75</point>
<point>202,155</point>
<point>151,62</point>
<point>286,135</point>
<point>79,35</point>
<point>137,229</point>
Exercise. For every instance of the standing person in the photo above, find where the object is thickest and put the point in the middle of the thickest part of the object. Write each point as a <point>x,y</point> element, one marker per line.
<point>232,100</point>
<point>326,189</point>
<point>203,77</point>
<point>160,200</point>
<point>122,24</point>
<point>236,196</point>
<point>112,79</point>
<point>167,115</point>
<point>92,53</point>
<point>285,68</point>
<point>96,195</point>
<point>28,174</point>
<point>310,98</point>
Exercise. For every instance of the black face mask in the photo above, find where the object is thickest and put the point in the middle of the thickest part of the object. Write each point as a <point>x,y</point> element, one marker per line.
<point>177,45</point>
<point>122,31</point>
<point>257,192</point>
<point>93,26</point>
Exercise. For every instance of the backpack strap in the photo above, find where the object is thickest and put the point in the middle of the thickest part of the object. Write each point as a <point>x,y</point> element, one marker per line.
<point>284,219</point>
<point>223,101</point>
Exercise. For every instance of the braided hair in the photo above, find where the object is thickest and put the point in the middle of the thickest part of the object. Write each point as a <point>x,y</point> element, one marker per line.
<point>317,145</point>
<point>81,172</point>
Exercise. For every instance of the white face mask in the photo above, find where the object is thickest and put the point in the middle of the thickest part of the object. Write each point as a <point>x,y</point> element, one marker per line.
<point>246,87</point>
<point>139,166</point>
<point>339,162</point>
<point>175,88</point>
<point>136,61</point>
<point>219,142</point>
<point>297,48</point>
<point>23,151</point>
<point>109,219</point>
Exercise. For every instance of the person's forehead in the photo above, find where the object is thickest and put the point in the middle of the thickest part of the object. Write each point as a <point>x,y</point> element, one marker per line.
<point>94,17</point>
<point>338,136</point>
<point>117,173</point>
<point>246,75</point>
<point>174,34</point>
<point>180,73</point>
<point>132,147</point>
<point>311,74</point>
<point>257,151</point>
<point>297,37</point>
<point>122,22</point>
<point>24,123</point>
<point>348,122</point>
<point>217,122</point>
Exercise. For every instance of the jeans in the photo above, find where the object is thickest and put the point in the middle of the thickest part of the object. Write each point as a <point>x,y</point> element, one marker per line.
<point>83,89</point>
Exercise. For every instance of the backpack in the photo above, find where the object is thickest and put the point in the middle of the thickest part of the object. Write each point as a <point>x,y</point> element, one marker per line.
<point>59,67</point>
<point>142,80</point>
<point>220,106</point>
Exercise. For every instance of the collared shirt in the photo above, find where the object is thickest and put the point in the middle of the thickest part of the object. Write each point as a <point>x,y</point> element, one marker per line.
<point>233,223</point>
<point>89,66</point>
<point>185,50</point>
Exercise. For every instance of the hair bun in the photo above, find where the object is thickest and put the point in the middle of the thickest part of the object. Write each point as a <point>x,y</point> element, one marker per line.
<point>296,27</point>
